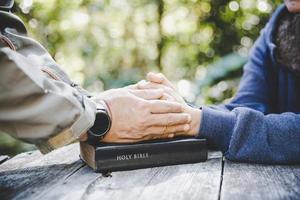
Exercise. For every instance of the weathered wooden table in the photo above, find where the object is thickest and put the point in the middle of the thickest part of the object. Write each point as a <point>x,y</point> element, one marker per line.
<point>62,175</point>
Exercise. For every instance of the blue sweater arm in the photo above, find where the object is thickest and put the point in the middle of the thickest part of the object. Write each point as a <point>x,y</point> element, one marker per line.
<point>246,130</point>
<point>247,135</point>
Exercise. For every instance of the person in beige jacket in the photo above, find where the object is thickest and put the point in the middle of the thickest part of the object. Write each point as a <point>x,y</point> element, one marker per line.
<point>39,103</point>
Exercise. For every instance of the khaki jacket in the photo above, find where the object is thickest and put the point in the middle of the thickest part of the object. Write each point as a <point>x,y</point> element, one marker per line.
<point>38,102</point>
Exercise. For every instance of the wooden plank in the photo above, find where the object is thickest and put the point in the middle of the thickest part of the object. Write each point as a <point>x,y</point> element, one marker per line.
<point>19,161</point>
<point>190,181</point>
<point>139,184</point>
<point>30,174</point>
<point>73,186</point>
<point>254,181</point>
<point>61,175</point>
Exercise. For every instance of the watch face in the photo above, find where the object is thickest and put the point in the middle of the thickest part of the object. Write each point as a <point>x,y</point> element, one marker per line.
<point>101,125</point>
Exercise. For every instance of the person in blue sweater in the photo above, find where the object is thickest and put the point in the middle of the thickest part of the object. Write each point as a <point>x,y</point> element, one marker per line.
<point>262,122</point>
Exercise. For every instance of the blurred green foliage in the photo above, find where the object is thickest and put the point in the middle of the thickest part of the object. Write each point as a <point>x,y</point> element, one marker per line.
<point>10,146</point>
<point>104,44</point>
<point>199,44</point>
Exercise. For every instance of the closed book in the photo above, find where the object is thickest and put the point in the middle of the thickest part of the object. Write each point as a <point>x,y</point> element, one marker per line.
<point>108,157</point>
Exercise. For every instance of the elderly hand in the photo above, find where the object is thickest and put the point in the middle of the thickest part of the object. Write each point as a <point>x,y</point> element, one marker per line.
<point>139,115</point>
<point>159,81</point>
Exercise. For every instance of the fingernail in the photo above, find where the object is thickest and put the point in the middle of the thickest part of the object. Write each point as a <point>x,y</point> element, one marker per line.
<point>189,118</point>
<point>186,127</point>
<point>170,135</point>
<point>142,83</point>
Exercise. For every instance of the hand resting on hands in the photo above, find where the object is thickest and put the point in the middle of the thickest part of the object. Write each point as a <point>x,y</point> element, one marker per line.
<point>139,115</point>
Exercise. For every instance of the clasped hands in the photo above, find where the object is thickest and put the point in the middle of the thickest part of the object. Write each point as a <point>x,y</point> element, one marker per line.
<point>148,110</point>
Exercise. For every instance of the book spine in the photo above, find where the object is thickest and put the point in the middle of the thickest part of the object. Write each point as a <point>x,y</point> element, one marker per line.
<point>118,159</point>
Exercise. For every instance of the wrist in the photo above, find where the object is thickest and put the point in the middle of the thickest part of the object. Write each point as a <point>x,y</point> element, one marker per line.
<point>196,115</point>
<point>102,123</point>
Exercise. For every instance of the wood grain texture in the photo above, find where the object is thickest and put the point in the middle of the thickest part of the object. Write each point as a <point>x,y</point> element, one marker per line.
<point>254,181</point>
<point>191,181</point>
<point>30,175</point>
<point>166,182</point>
<point>61,175</point>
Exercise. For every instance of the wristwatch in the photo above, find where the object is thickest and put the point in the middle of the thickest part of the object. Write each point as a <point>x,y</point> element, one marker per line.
<point>101,125</point>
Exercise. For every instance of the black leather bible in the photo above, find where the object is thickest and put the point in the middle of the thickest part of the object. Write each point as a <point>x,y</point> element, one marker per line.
<point>108,157</point>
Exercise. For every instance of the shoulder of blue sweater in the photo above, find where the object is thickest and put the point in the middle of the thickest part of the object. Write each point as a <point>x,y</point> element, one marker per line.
<point>282,8</point>
<point>271,25</point>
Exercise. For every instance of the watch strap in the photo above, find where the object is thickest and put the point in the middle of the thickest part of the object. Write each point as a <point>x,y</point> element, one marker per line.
<point>93,140</point>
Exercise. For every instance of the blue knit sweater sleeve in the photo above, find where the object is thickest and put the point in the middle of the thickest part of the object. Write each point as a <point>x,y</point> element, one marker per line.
<point>243,129</point>
<point>247,135</point>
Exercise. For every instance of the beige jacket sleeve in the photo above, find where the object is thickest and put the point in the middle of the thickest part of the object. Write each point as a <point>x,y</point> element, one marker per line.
<point>38,102</point>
